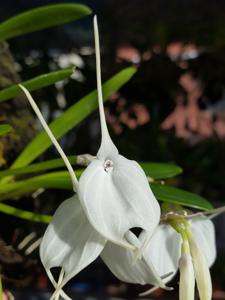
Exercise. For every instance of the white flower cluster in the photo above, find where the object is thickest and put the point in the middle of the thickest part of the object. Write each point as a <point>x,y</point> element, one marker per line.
<point>112,198</point>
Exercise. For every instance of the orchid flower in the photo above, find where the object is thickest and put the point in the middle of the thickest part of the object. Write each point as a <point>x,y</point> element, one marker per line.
<point>69,242</point>
<point>169,249</point>
<point>114,191</point>
<point>113,196</point>
<point>147,269</point>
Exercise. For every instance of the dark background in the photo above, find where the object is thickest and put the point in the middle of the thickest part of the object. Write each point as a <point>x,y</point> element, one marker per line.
<point>149,27</point>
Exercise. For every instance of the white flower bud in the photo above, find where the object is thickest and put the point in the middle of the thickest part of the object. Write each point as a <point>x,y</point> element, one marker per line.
<point>201,269</point>
<point>187,278</point>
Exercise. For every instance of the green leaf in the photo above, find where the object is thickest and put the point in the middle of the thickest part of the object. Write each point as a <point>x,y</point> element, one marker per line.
<point>61,180</point>
<point>154,170</point>
<point>71,117</point>
<point>41,18</point>
<point>36,83</point>
<point>160,170</point>
<point>58,180</point>
<point>24,214</point>
<point>180,197</point>
<point>38,167</point>
<point>4,129</point>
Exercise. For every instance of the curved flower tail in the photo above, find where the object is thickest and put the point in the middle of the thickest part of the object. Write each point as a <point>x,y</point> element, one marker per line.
<point>55,284</point>
<point>51,136</point>
<point>107,149</point>
<point>154,288</point>
<point>58,291</point>
<point>148,292</point>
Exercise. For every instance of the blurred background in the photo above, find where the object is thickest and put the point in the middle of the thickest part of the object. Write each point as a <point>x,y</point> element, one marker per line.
<point>172,110</point>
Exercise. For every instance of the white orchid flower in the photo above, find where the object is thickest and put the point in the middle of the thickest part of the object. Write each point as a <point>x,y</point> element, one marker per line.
<point>114,191</point>
<point>158,264</point>
<point>115,198</point>
<point>72,243</point>
<point>155,263</point>
<point>163,256</point>
<point>69,242</point>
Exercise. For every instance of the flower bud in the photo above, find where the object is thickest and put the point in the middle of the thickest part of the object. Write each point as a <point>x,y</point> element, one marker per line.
<point>201,269</point>
<point>187,278</point>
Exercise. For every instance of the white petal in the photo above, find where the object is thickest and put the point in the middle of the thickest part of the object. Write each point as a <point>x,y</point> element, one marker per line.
<point>204,234</point>
<point>187,278</point>
<point>70,241</point>
<point>118,200</point>
<point>125,267</point>
<point>164,251</point>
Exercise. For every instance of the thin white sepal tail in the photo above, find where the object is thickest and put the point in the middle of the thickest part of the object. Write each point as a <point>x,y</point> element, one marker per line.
<point>107,148</point>
<point>52,137</point>
<point>104,128</point>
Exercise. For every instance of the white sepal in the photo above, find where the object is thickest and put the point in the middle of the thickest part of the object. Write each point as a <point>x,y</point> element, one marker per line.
<point>70,242</point>
<point>125,267</point>
<point>203,232</point>
<point>118,199</point>
<point>164,251</point>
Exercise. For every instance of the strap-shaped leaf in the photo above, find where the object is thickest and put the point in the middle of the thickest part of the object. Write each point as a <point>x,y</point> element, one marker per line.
<point>36,83</point>
<point>4,129</point>
<point>61,180</point>
<point>180,197</point>
<point>71,117</point>
<point>41,18</point>
<point>160,170</point>
<point>24,214</point>
<point>38,167</point>
<point>153,170</point>
<point>58,180</point>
